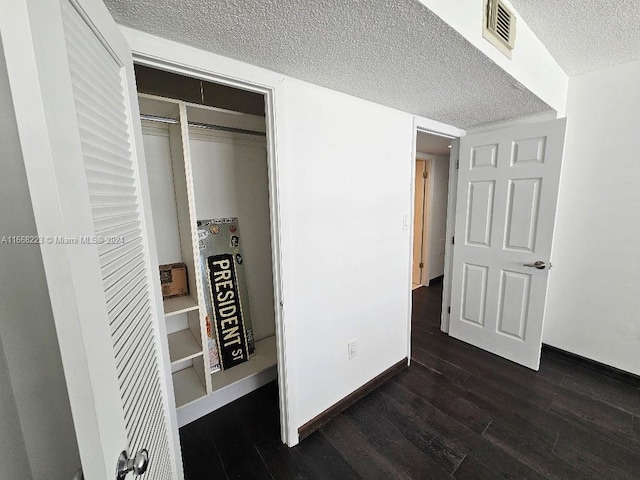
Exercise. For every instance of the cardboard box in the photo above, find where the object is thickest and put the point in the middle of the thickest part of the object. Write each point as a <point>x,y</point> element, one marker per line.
<point>173,279</point>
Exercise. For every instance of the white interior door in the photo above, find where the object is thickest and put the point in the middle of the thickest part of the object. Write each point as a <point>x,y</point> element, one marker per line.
<point>506,206</point>
<point>72,83</point>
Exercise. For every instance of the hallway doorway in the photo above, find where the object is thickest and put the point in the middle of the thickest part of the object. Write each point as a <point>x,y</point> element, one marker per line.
<point>431,190</point>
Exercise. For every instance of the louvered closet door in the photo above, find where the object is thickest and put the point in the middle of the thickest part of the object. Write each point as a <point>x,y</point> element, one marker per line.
<point>99,93</point>
<point>101,264</point>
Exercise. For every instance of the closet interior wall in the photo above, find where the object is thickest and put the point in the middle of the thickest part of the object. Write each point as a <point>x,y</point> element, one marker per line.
<point>206,162</point>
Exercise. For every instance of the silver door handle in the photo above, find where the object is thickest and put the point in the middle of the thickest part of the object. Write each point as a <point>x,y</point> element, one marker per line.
<point>540,265</point>
<point>137,465</point>
<point>78,475</point>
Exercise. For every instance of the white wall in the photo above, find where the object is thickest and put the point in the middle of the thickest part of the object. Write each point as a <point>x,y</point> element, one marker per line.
<point>349,182</point>
<point>157,151</point>
<point>38,424</point>
<point>230,180</point>
<point>531,64</point>
<point>325,205</point>
<point>594,287</point>
<point>437,212</point>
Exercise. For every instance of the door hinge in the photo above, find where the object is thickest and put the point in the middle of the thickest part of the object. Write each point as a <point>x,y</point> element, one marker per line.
<point>457,164</point>
<point>453,240</point>
<point>421,265</point>
<point>425,174</point>
<point>449,310</point>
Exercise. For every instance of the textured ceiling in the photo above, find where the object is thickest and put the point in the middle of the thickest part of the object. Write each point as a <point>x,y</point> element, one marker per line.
<point>585,35</point>
<point>393,52</point>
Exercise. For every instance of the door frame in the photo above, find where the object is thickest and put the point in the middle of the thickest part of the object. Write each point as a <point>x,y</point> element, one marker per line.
<point>171,57</point>
<point>427,126</point>
<point>452,196</point>
<point>433,127</point>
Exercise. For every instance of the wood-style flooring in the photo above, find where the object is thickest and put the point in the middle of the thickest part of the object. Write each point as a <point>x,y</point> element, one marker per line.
<point>456,412</point>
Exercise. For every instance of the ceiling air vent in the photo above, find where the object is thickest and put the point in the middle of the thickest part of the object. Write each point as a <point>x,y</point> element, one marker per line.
<point>499,26</point>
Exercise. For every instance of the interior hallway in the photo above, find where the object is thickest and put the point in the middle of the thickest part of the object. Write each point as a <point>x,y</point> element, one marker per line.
<point>456,412</point>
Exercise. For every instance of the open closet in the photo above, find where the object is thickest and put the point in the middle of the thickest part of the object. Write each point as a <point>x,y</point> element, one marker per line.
<point>207,165</point>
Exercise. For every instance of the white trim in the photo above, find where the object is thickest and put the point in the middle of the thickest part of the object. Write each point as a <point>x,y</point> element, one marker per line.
<point>284,332</point>
<point>159,52</point>
<point>169,56</point>
<point>412,192</point>
<point>531,119</point>
<point>426,125</point>
<point>449,246</point>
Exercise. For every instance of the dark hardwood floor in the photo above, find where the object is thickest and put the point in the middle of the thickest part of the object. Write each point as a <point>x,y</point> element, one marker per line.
<point>456,412</point>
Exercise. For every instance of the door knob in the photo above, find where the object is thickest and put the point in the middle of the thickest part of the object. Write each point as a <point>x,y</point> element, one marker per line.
<point>137,465</point>
<point>540,265</point>
<point>78,475</point>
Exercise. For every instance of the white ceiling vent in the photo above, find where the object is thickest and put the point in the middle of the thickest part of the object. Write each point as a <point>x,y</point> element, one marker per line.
<point>499,26</point>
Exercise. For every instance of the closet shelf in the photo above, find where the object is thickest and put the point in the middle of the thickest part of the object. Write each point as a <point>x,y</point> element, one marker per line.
<point>183,345</point>
<point>174,306</point>
<point>187,386</point>
<point>266,357</point>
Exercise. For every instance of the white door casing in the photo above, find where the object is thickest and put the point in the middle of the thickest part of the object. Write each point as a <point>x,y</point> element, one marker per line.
<point>506,205</point>
<point>73,89</point>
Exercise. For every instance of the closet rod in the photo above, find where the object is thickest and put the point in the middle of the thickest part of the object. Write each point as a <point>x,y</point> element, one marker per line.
<point>220,128</point>
<point>154,118</point>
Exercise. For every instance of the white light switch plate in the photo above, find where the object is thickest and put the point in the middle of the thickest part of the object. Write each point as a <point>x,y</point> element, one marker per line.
<point>353,349</point>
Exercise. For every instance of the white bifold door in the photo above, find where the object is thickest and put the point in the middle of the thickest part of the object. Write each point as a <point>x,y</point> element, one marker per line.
<point>505,213</point>
<point>73,89</point>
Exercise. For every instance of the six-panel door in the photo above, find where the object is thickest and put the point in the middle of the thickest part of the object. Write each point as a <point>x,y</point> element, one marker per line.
<point>506,204</point>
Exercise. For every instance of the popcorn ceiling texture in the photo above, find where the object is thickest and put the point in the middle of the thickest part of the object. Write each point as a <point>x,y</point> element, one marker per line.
<point>392,52</point>
<point>585,35</point>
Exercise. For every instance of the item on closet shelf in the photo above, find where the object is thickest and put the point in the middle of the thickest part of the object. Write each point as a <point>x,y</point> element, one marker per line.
<point>212,346</point>
<point>227,310</point>
<point>226,294</point>
<point>173,279</point>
